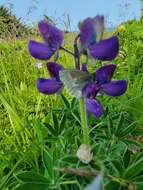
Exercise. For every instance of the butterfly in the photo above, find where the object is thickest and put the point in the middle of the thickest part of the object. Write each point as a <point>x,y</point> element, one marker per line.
<point>75,80</point>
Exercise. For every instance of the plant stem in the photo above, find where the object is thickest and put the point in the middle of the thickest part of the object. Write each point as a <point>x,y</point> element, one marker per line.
<point>82,100</point>
<point>76,52</point>
<point>84,121</point>
<point>66,50</point>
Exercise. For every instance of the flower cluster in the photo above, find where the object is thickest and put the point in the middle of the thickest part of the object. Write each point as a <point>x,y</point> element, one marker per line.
<point>102,84</point>
<point>91,32</point>
<point>91,44</point>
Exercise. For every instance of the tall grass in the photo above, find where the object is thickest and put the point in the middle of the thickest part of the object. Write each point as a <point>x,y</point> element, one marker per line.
<point>24,113</point>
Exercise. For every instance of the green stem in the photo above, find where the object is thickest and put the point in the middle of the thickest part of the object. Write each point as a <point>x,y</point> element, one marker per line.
<point>84,121</point>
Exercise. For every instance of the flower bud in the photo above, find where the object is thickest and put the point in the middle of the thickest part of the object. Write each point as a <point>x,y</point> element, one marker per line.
<point>84,153</point>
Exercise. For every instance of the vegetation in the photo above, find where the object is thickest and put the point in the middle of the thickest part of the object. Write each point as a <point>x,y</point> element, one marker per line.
<point>40,134</point>
<point>10,25</point>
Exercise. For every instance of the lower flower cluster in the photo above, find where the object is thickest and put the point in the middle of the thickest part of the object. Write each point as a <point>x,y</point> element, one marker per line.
<point>100,83</point>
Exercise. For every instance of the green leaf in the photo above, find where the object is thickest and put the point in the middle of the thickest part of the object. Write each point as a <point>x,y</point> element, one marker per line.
<point>129,129</point>
<point>65,101</point>
<point>51,129</point>
<point>31,177</point>
<point>32,186</point>
<point>133,142</point>
<point>48,162</point>
<point>126,158</point>
<point>139,186</point>
<point>138,156</point>
<point>134,169</point>
<point>55,123</point>
<point>110,126</point>
<point>62,124</point>
<point>112,185</point>
<point>118,165</point>
<point>70,159</point>
<point>119,124</point>
<point>38,126</point>
<point>73,103</point>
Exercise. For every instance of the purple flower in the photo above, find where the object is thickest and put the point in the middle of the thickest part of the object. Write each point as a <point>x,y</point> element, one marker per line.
<point>105,50</point>
<point>52,85</point>
<point>87,32</point>
<point>53,38</point>
<point>102,84</point>
<point>91,31</point>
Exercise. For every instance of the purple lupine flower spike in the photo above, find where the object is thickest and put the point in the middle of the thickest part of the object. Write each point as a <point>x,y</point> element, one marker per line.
<point>105,50</point>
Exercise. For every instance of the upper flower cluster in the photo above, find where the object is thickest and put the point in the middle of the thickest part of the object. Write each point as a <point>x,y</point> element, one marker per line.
<point>91,33</point>
<point>80,81</point>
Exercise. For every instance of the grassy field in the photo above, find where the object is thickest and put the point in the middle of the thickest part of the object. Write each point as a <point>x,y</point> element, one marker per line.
<point>41,133</point>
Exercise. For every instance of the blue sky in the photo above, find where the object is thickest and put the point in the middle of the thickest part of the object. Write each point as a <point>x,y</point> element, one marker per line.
<point>115,11</point>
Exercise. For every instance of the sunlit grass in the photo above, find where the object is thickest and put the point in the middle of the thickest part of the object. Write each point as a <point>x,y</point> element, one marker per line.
<point>26,117</point>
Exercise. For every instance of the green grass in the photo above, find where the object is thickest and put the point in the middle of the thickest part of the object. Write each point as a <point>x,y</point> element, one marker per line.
<point>35,127</point>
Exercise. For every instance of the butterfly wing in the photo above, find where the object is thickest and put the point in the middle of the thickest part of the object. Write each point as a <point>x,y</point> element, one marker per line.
<point>74,80</point>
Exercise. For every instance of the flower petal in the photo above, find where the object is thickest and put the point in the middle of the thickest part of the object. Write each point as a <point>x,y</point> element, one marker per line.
<point>87,32</point>
<point>39,50</point>
<point>48,86</point>
<point>99,27</point>
<point>95,107</point>
<point>115,88</point>
<point>104,74</point>
<point>90,90</point>
<point>84,67</point>
<point>106,49</point>
<point>54,69</point>
<point>52,35</point>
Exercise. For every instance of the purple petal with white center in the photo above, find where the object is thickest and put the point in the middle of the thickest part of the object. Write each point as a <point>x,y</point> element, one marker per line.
<point>115,88</point>
<point>95,107</point>
<point>54,69</point>
<point>104,74</point>
<point>90,90</point>
<point>106,49</point>
<point>87,32</point>
<point>52,35</point>
<point>48,86</point>
<point>39,50</point>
